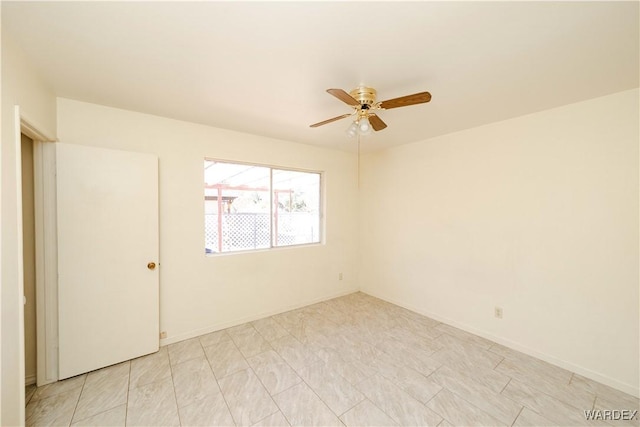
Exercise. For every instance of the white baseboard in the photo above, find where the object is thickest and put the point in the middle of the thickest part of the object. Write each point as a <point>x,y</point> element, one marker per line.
<point>604,379</point>
<point>225,325</point>
<point>30,379</point>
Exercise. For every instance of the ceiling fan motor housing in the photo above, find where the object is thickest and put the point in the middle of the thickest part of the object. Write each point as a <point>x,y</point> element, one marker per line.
<point>364,95</point>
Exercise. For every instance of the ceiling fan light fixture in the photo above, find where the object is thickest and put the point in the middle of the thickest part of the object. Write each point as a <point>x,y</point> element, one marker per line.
<point>352,130</point>
<point>364,127</point>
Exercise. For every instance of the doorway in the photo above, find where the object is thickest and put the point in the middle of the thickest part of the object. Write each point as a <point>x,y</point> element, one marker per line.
<point>29,263</point>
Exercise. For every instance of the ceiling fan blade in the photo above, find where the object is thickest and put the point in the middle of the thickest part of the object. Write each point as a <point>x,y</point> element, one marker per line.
<point>403,101</point>
<point>376,122</point>
<point>315,125</point>
<point>344,97</point>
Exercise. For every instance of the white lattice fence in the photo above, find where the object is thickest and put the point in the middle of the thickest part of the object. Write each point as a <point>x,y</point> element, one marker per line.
<point>245,231</point>
<point>297,227</point>
<point>242,231</point>
<point>211,233</point>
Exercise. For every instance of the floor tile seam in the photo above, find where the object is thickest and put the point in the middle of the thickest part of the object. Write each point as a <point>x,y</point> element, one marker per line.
<point>534,360</point>
<point>465,334</point>
<point>215,378</point>
<point>173,387</point>
<point>336,372</point>
<point>513,400</point>
<point>185,360</point>
<point>196,399</point>
<point>263,335</point>
<point>433,410</point>
<point>271,396</point>
<point>546,395</point>
<point>603,396</point>
<point>254,373</point>
<point>518,416</point>
<point>538,413</point>
<point>238,327</point>
<point>256,354</point>
<point>278,406</point>
<point>225,401</point>
<point>271,415</point>
<point>473,405</point>
<point>244,337</point>
<point>230,373</point>
<point>144,384</point>
<point>550,380</point>
<point>204,347</point>
<point>357,403</point>
<point>572,404</point>
<point>290,367</point>
<point>30,397</point>
<point>397,421</point>
<point>374,405</point>
<point>474,381</point>
<point>100,390</point>
<point>441,388</point>
<point>50,385</point>
<point>75,408</point>
<point>126,404</point>
<point>107,409</point>
<point>495,368</point>
<point>326,404</point>
<point>307,384</point>
<point>101,412</point>
<point>506,385</point>
<point>206,354</point>
<point>499,362</point>
<point>498,354</point>
<point>258,377</point>
<point>54,395</point>
<point>513,358</point>
<point>280,323</point>
<point>287,366</point>
<point>464,341</point>
<point>483,410</point>
<point>350,409</point>
<point>593,405</point>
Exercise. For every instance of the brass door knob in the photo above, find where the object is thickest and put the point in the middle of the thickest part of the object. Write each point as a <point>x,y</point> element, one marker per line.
<point>151,266</point>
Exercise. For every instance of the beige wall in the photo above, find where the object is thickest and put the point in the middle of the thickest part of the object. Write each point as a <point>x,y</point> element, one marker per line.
<point>537,215</point>
<point>29,251</point>
<point>21,86</point>
<point>200,293</point>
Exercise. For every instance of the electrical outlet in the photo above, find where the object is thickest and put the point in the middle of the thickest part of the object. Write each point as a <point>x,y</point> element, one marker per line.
<point>340,276</point>
<point>163,335</point>
<point>498,312</point>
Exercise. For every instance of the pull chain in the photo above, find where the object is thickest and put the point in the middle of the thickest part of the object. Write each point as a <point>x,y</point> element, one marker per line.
<point>358,169</point>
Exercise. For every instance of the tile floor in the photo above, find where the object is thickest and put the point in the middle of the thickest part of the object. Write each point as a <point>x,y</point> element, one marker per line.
<point>354,361</point>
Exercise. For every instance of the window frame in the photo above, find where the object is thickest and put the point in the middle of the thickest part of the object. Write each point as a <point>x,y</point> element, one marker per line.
<point>272,238</point>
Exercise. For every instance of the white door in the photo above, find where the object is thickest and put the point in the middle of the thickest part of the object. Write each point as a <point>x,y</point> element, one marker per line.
<point>108,295</point>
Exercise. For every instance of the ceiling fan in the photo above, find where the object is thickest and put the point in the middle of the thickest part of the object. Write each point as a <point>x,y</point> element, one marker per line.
<point>363,101</point>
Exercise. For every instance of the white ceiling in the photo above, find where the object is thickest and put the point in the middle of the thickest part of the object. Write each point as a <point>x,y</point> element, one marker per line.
<point>263,67</point>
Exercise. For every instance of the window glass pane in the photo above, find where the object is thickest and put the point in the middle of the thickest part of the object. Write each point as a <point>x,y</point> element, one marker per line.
<point>296,207</point>
<point>237,202</point>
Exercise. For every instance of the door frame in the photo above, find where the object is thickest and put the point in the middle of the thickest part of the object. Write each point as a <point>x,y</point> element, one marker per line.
<point>45,248</point>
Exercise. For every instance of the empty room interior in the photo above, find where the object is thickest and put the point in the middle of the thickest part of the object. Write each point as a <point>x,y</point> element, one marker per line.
<point>320,213</point>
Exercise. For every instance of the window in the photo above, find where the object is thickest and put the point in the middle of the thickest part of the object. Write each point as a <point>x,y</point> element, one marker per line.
<point>257,207</point>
